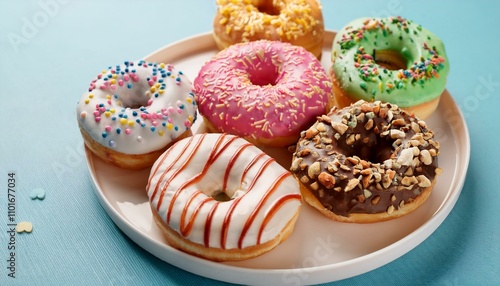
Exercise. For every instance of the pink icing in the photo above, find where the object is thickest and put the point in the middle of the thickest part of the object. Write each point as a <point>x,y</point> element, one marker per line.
<point>262,89</point>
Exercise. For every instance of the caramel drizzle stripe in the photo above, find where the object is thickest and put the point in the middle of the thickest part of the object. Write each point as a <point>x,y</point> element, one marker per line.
<point>227,218</point>
<point>254,213</point>
<point>185,229</point>
<point>264,165</point>
<point>176,172</point>
<point>274,209</point>
<point>167,169</point>
<point>250,165</point>
<point>208,224</point>
<point>231,163</point>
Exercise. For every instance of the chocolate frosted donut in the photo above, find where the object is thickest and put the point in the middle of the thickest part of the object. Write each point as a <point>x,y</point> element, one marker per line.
<point>367,162</point>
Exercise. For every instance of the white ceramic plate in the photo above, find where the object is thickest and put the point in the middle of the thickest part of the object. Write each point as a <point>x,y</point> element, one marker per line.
<point>319,250</point>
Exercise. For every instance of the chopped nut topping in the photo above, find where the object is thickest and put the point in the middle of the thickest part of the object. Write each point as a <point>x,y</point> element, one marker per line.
<point>386,182</point>
<point>408,181</point>
<point>401,204</point>
<point>382,113</point>
<point>304,152</point>
<point>342,177</point>
<point>375,200</point>
<point>331,167</point>
<point>321,127</point>
<point>416,151</point>
<point>326,180</point>
<point>433,152</point>
<point>366,172</point>
<point>360,117</point>
<point>350,139</point>
<point>397,134</point>
<point>415,127</point>
<point>409,172</point>
<point>345,168</point>
<point>425,157</point>
<point>339,127</point>
<point>326,140</point>
<point>399,122</point>
<point>369,124</point>
<point>391,174</point>
<point>295,164</point>
<point>397,143</point>
<point>366,108</point>
<point>434,143</point>
<point>311,132</point>
<point>364,164</point>
<point>351,185</point>
<point>366,181</point>
<point>390,115</point>
<point>326,118</point>
<point>367,193</point>
<point>353,160</point>
<point>423,181</point>
<point>314,170</point>
<point>422,124</point>
<point>414,143</point>
<point>438,171</point>
<point>315,186</point>
<point>304,179</point>
<point>405,157</point>
<point>390,209</point>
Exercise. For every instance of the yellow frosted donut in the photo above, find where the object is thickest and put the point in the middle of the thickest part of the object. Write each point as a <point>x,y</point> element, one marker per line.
<point>299,22</point>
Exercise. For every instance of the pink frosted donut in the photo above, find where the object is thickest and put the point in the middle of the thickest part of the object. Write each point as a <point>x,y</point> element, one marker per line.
<point>264,91</point>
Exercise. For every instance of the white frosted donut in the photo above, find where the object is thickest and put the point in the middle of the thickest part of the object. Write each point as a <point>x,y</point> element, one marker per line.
<point>133,111</point>
<point>187,185</point>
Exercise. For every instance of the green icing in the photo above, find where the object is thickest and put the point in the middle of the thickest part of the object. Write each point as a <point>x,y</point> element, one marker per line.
<point>355,53</point>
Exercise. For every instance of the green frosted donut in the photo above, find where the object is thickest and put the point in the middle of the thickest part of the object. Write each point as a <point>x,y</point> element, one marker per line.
<point>389,59</point>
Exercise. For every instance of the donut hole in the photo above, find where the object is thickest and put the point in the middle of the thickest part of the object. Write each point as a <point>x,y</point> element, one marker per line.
<point>390,59</point>
<point>376,150</point>
<point>265,74</point>
<point>133,101</point>
<point>263,79</point>
<point>268,8</point>
<point>220,196</point>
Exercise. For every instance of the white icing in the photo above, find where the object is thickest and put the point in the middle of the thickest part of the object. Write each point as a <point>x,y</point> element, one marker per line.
<point>142,111</point>
<point>184,151</point>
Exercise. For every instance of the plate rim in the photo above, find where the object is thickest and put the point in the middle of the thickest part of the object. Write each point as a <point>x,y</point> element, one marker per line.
<point>412,239</point>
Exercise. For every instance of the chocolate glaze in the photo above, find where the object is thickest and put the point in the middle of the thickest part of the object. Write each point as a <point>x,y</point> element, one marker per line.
<point>359,156</point>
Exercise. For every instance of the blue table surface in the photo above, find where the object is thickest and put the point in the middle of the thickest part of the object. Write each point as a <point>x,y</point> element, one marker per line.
<point>51,49</point>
